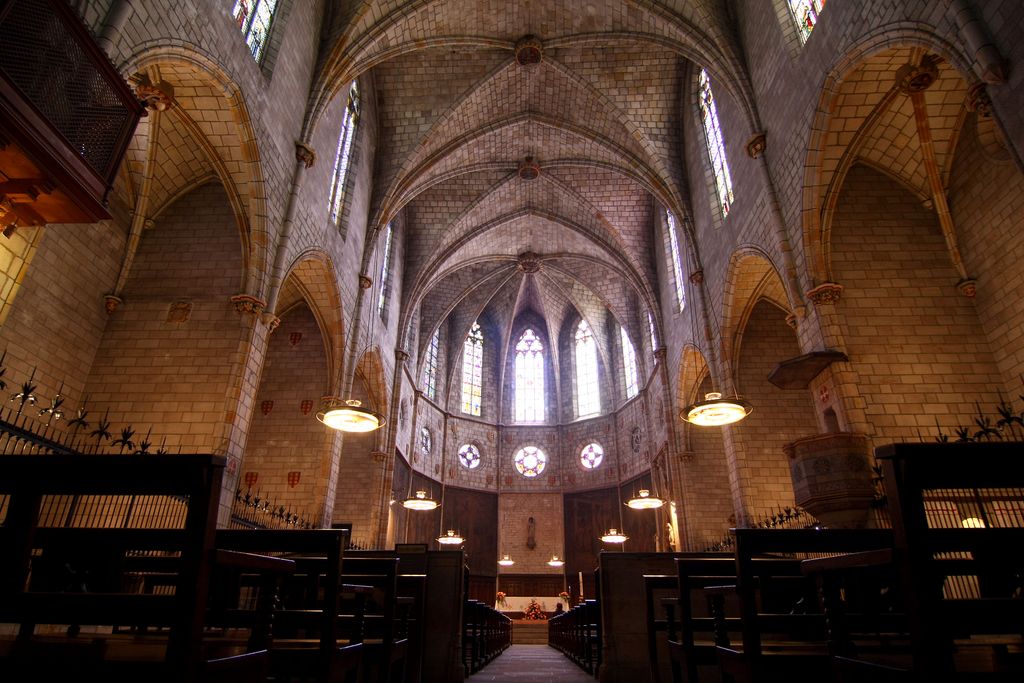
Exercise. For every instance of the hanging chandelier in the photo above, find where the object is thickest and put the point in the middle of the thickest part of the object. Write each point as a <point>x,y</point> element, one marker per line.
<point>348,415</point>
<point>613,535</point>
<point>450,537</point>
<point>715,411</point>
<point>506,561</point>
<point>644,501</point>
<point>419,501</point>
<point>555,562</point>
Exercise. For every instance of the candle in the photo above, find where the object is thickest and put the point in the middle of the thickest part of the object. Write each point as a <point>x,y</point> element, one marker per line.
<point>581,586</point>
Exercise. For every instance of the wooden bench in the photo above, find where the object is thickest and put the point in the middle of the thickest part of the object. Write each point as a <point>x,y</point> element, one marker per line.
<point>74,527</point>
<point>486,634</point>
<point>691,627</point>
<point>386,635</point>
<point>783,632</point>
<point>310,644</point>
<point>958,523</point>
<point>576,633</point>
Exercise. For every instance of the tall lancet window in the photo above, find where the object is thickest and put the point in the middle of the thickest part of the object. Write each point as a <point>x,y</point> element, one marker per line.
<point>588,391</point>
<point>805,13</point>
<point>715,144</point>
<point>629,368</point>
<point>430,367</point>
<point>255,18</point>
<point>677,259</point>
<point>472,371</point>
<point>385,274</point>
<point>343,155</point>
<point>529,378</point>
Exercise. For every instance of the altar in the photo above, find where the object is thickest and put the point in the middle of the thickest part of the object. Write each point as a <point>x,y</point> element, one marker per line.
<point>515,603</point>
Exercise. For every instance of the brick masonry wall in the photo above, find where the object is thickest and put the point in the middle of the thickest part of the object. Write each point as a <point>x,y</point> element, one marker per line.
<point>918,349</point>
<point>514,513</point>
<point>707,495</point>
<point>986,196</point>
<point>169,352</point>
<point>284,439</point>
<point>57,320</point>
<point>779,417</point>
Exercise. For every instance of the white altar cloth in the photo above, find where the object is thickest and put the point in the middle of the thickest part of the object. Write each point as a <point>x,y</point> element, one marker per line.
<point>518,604</point>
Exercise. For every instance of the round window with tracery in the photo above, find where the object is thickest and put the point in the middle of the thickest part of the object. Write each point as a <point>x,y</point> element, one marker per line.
<point>469,456</point>
<point>530,461</point>
<point>425,441</point>
<point>591,455</point>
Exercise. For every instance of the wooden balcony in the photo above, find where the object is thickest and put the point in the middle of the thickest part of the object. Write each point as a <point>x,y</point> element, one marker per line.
<point>66,117</point>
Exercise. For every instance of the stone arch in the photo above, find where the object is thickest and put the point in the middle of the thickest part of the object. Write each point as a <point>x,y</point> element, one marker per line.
<point>816,213</point>
<point>751,276</point>
<point>289,453</point>
<point>314,279</point>
<point>239,166</point>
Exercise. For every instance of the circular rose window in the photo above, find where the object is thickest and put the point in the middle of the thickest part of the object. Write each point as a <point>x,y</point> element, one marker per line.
<point>591,455</point>
<point>530,461</point>
<point>469,456</point>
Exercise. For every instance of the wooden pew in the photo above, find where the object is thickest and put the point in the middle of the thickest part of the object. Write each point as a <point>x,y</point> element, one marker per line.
<point>782,631</point>
<point>958,521</point>
<point>386,636</point>
<point>624,653</point>
<point>73,526</point>
<point>691,627</point>
<point>487,633</point>
<point>311,645</point>
<point>576,634</point>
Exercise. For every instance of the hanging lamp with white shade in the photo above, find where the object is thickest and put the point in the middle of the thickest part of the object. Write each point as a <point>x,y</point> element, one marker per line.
<point>715,410</point>
<point>349,414</point>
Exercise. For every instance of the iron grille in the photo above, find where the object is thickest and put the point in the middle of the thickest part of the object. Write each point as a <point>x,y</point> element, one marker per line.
<point>43,57</point>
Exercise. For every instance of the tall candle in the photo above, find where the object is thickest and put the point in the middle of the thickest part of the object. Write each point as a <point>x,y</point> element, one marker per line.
<point>581,586</point>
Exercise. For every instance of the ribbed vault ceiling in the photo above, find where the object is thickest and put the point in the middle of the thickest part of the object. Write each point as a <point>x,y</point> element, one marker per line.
<point>460,114</point>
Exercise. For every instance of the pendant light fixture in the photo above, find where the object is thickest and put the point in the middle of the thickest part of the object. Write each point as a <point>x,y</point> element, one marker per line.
<point>644,501</point>
<point>506,561</point>
<point>419,501</point>
<point>451,537</point>
<point>714,410</point>
<point>349,414</point>
<point>555,562</point>
<point>613,535</point>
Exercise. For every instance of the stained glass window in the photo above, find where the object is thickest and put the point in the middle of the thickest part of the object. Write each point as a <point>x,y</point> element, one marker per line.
<point>472,370</point>
<point>529,386</point>
<point>425,441</point>
<point>469,456</point>
<point>805,13</point>
<point>677,259</point>
<point>629,365</point>
<point>715,144</point>
<point>255,19</point>
<point>343,156</point>
<point>591,455</point>
<point>430,367</point>
<point>588,392</point>
<point>385,274</point>
<point>530,461</point>
<point>654,334</point>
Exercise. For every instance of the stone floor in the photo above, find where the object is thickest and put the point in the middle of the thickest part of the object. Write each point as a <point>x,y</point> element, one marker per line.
<point>533,663</point>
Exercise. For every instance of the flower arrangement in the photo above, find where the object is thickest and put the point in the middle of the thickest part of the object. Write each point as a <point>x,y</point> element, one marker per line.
<point>500,599</point>
<point>564,597</point>
<point>533,611</point>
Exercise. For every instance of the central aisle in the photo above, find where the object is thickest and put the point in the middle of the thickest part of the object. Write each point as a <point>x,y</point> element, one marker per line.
<point>534,663</point>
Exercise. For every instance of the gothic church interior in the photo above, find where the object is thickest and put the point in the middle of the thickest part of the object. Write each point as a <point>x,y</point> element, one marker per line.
<point>527,236</point>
